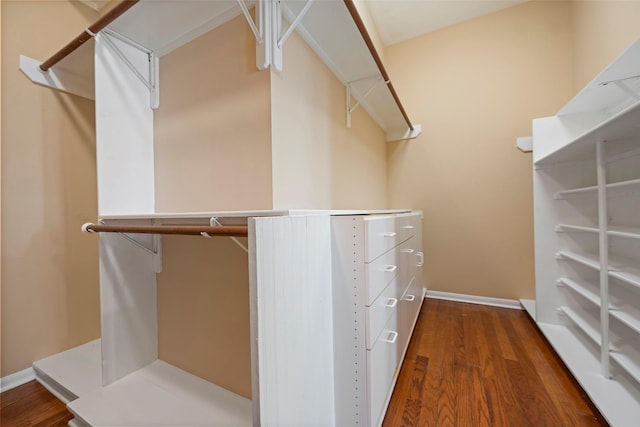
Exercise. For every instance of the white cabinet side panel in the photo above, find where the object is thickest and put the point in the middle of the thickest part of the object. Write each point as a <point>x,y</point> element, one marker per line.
<point>349,298</point>
<point>124,132</point>
<point>128,306</point>
<point>294,320</point>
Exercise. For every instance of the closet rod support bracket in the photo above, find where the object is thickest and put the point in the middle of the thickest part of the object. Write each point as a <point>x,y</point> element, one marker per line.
<point>153,79</point>
<point>350,108</point>
<point>278,38</point>
<point>213,222</point>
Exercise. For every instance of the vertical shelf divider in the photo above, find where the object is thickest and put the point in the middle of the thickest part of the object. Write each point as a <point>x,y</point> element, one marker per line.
<point>604,257</point>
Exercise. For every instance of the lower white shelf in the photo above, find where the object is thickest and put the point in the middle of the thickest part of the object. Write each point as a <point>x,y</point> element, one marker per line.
<point>618,401</point>
<point>72,373</point>
<point>628,360</point>
<point>157,395</point>
<point>530,306</point>
<point>590,330</point>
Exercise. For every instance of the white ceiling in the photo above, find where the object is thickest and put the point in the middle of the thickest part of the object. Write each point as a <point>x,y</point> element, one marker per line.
<point>399,20</point>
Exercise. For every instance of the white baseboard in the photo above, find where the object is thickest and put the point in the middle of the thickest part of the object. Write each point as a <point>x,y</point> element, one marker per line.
<point>17,379</point>
<point>475,299</point>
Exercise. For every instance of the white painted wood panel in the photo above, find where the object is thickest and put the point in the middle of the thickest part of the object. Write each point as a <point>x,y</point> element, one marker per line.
<point>124,132</point>
<point>128,298</point>
<point>291,282</point>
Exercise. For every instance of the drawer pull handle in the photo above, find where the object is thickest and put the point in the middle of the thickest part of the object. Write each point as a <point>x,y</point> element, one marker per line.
<point>389,234</point>
<point>391,338</point>
<point>390,268</point>
<point>408,227</point>
<point>391,302</point>
<point>410,298</point>
<point>421,262</point>
<point>408,251</point>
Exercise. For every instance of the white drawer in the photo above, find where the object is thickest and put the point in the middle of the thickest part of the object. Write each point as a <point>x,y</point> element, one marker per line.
<point>380,236</point>
<point>382,309</point>
<point>379,273</point>
<point>382,363</point>
<point>408,308</point>
<point>408,259</point>
<point>406,226</point>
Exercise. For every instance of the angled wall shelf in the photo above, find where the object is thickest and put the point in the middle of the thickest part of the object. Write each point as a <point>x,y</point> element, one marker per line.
<point>332,28</point>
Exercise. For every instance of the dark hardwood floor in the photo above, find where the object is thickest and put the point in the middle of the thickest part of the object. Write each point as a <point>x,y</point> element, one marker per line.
<point>474,365</point>
<point>467,366</point>
<point>33,406</point>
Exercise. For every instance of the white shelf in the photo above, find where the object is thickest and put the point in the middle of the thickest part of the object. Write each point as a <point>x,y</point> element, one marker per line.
<point>581,290</point>
<point>627,277</point>
<point>583,325</point>
<point>630,317</point>
<point>628,232</point>
<point>614,401</point>
<point>156,395</point>
<point>625,270</point>
<point>618,126</point>
<point>586,260</point>
<point>163,217</point>
<point>530,307</point>
<point>577,192</point>
<point>72,373</point>
<point>601,111</point>
<point>625,185</point>
<point>330,31</point>
<point>162,26</point>
<point>576,228</point>
<point>629,363</point>
<point>162,395</point>
<point>593,190</point>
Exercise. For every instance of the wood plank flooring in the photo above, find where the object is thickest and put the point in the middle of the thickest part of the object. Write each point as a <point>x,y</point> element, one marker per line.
<point>33,406</point>
<point>474,365</point>
<point>467,365</point>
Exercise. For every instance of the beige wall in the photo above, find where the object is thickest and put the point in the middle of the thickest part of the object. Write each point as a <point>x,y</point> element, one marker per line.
<point>475,87</point>
<point>203,310</point>
<point>212,130</point>
<point>601,31</point>
<point>49,268</point>
<point>317,162</point>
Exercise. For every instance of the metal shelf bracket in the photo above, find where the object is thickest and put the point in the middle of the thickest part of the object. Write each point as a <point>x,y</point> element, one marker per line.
<point>152,81</point>
<point>278,38</point>
<point>350,108</point>
<point>261,28</point>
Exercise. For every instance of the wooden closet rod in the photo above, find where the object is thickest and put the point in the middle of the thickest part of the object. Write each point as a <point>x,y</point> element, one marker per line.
<point>189,230</point>
<point>95,28</point>
<point>367,39</point>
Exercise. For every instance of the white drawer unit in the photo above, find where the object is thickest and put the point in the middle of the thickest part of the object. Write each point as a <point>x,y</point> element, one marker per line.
<point>377,294</point>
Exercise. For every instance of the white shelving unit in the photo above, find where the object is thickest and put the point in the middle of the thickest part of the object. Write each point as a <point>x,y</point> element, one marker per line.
<point>291,326</point>
<point>587,246</point>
